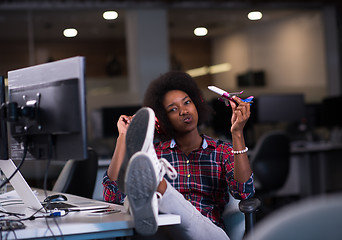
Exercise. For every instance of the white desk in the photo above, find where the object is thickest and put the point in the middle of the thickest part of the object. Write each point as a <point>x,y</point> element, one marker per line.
<point>308,168</point>
<point>313,165</point>
<point>312,147</point>
<point>78,225</point>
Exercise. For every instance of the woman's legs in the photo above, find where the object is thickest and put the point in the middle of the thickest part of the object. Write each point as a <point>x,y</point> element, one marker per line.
<point>195,225</point>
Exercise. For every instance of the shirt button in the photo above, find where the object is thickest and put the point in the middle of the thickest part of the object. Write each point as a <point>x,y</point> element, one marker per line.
<point>187,161</point>
<point>188,175</point>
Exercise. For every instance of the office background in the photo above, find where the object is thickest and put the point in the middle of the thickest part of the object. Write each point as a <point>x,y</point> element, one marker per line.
<point>295,48</point>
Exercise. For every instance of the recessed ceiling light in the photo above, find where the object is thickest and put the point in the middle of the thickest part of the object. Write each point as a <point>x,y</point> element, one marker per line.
<point>200,31</point>
<point>255,15</point>
<point>110,15</point>
<point>70,32</point>
<point>214,69</point>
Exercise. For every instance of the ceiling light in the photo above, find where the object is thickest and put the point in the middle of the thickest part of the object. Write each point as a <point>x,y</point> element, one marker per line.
<point>196,72</point>
<point>200,31</point>
<point>110,15</point>
<point>255,15</point>
<point>70,32</point>
<point>214,69</point>
<point>219,68</point>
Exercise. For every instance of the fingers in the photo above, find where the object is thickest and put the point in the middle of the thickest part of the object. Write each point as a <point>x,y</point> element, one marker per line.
<point>123,123</point>
<point>126,119</point>
<point>242,109</point>
<point>232,104</point>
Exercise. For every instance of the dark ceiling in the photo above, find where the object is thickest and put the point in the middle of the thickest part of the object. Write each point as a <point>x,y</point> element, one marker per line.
<point>15,4</point>
<point>46,19</point>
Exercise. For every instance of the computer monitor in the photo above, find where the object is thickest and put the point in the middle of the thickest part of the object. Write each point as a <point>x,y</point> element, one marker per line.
<point>3,123</point>
<point>47,107</point>
<point>330,113</point>
<point>104,120</point>
<point>277,108</point>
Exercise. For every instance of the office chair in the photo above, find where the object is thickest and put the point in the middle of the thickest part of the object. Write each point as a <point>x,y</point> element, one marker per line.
<point>270,164</point>
<point>270,161</point>
<point>310,219</point>
<point>78,177</point>
<point>239,217</point>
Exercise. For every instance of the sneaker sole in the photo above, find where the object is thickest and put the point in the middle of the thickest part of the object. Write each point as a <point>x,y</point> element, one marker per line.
<point>141,184</point>
<point>138,137</point>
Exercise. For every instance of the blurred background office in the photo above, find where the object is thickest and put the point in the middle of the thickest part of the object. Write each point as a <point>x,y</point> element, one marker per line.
<point>288,57</point>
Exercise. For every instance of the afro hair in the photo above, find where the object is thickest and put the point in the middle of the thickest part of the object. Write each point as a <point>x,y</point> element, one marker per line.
<point>174,80</point>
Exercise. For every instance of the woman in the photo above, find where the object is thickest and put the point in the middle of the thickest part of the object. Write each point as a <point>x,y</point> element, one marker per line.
<point>207,168</point>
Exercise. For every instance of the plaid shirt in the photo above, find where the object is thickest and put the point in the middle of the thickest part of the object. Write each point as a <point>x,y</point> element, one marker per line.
<point>204,177</point>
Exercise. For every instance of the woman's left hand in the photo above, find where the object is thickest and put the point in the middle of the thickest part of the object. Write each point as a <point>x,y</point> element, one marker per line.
<point>241,113</point>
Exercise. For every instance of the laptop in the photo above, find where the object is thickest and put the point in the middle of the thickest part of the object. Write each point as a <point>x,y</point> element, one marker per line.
<point>75,206</point>
<point>31,200</point>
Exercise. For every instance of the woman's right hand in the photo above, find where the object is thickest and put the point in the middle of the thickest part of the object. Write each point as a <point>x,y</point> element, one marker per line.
<point>123,124</point>
<point>120,148</point>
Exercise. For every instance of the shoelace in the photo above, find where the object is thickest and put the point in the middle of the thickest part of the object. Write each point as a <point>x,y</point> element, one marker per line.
<point>169,170</point>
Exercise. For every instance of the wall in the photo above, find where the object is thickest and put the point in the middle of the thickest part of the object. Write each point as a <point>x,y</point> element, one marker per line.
<point>114,91</point>
<point>290,51</point>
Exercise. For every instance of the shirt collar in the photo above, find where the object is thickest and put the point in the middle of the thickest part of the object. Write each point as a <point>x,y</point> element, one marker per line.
<point>204,143</point>
<point>173,143</point>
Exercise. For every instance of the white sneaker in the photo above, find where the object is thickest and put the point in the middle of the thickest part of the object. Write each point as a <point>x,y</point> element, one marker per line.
<point>144,173</point>
<point>139,137</point>
<point>141,184</point>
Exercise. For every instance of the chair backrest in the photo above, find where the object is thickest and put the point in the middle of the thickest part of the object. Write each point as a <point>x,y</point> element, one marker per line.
<point>271,159</point>
<point>313,218</point>
<point>234,219</point>
<point>78,177</point>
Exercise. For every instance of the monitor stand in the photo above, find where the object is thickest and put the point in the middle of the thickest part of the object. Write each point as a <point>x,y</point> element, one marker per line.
<point>7,165</point>
<point>20,185</point>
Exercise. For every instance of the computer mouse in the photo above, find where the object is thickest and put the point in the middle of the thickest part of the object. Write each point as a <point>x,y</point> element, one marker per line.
<point>56,198</point>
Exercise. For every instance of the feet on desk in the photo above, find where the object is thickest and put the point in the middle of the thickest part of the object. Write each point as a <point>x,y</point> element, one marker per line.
<point>139,137</point>
<point>143,172</point>
<point>141,185</point>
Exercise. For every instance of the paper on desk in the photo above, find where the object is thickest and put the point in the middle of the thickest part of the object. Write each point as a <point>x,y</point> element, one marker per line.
<point>10,195</point>
<point>13,195</point>
<point>10,198</point>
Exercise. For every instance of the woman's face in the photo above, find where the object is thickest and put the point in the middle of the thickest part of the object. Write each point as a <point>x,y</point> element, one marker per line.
<point>181,111</point>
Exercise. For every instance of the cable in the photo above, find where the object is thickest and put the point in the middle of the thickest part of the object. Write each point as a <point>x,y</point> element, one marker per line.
<point>45,178</point>
<point>9,226</point>
<point>48,226</point>
<point>32,217</point>
<point>7,181</point>
<point>50,145</point>
<point>8,223</point>
<point>20,164</point>
<point>12,213</point>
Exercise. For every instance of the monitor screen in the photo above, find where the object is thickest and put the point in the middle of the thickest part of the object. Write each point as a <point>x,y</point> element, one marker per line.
<point>104,120</point>
<point>274,108</point>
<point>49,110</point>
<point>330,113</point>
<point>3,124</point>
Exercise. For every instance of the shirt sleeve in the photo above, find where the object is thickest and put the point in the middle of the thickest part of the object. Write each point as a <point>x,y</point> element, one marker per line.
<point>237,189</point>
<point>111,192</point>
<point>242,190</point>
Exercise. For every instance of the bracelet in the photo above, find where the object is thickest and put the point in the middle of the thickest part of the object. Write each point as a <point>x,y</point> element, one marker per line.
<point>240,151</point>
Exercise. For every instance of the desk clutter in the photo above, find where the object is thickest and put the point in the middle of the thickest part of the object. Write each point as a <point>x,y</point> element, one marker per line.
<point>14,214</point>
<point>17,221</point>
